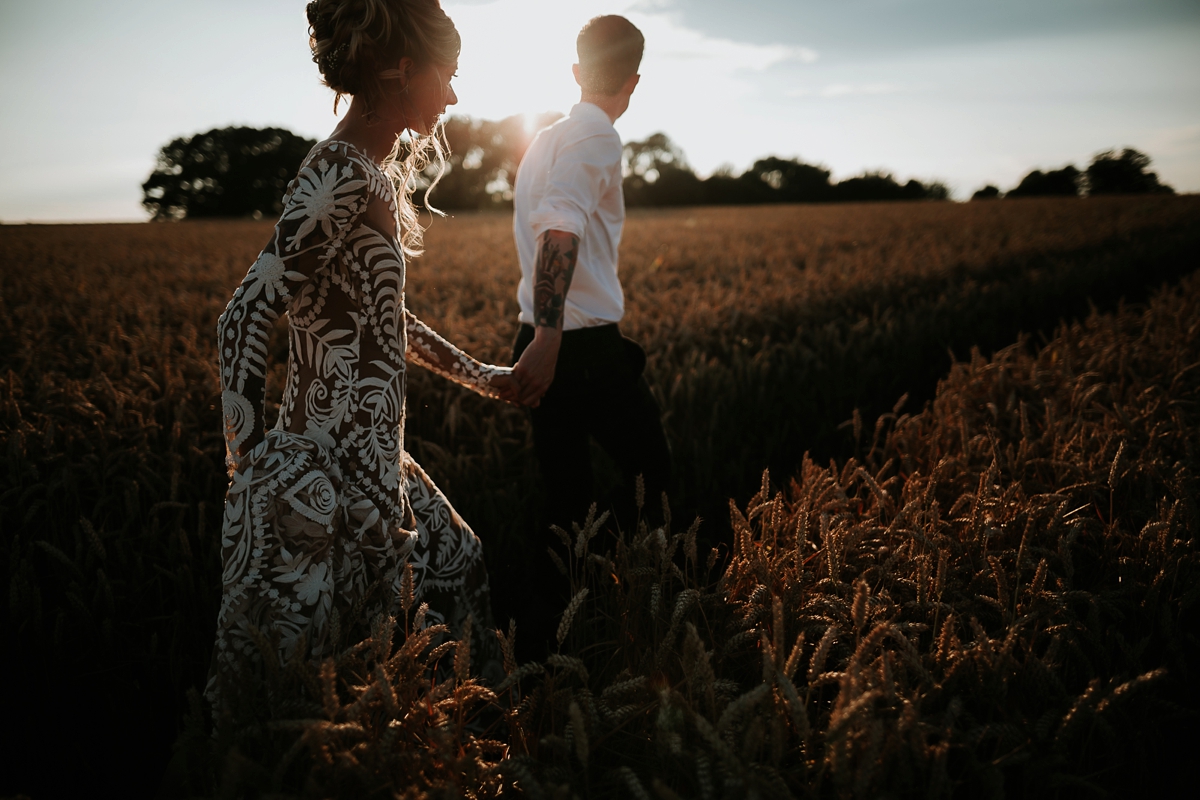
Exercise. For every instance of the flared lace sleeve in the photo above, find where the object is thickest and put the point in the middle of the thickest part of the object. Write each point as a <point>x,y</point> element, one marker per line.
<point>323,204</point>
<point>427,348</point>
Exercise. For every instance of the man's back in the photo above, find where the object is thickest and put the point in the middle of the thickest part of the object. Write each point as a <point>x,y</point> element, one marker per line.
<point>570,180</point>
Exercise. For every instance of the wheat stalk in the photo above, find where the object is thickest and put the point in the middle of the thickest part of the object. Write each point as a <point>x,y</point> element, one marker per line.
<point>573,607</point>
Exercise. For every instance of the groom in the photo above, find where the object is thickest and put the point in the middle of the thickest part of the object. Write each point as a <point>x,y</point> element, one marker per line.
<point>570,358</point>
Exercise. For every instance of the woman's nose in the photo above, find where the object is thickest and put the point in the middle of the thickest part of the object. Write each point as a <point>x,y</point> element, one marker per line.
<point>452,98</point>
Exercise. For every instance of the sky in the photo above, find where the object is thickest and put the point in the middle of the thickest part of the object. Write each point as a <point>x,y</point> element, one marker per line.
<point>968,92</point>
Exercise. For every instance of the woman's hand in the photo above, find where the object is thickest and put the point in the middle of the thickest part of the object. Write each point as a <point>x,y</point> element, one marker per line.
<point>507,386</point>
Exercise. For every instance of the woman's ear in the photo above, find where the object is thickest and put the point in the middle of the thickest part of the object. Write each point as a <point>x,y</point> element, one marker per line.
<point>405,68</point>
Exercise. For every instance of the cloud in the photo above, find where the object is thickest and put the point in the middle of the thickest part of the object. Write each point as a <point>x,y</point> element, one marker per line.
<point>844,89</point>
<point>667,40</point>
<point>774,55</point>
<point>805,55</point>
<point>872,28</point>
<point>517,55</point>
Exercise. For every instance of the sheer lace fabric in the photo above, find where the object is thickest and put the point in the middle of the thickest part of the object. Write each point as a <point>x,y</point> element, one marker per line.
<point>324,510</point>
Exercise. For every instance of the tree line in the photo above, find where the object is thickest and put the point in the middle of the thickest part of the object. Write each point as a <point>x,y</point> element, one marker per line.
<point>1110,172</point>
<point>244,172</point>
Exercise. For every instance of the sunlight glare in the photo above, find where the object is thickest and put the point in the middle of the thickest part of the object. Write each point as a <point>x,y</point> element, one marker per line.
<point>517,56</point>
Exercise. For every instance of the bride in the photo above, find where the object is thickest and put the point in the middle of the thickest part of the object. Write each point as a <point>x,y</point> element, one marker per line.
<point>324,511</point>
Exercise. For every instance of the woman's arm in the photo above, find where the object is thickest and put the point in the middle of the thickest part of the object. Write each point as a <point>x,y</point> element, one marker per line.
<point>327,197</point>
<point>427,348</point>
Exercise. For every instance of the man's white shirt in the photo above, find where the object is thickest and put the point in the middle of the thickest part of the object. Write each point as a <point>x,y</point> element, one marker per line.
<point>570,180</point>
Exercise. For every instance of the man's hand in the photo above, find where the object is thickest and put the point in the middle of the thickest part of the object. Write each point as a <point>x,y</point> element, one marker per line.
<point>552,272</point>
<point>507,386</point>
<point>535,369</point>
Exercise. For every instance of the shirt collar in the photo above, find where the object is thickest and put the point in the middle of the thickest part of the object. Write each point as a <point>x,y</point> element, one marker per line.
<point>590,110</point>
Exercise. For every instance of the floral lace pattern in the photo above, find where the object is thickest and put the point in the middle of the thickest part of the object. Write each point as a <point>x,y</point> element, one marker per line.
<point>323,511</point>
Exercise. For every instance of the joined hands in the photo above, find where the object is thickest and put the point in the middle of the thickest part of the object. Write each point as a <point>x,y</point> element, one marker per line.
<point>535,368</point>
<point>533,373</point>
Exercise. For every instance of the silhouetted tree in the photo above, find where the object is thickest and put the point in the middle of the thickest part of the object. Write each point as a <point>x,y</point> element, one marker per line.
<point>988,192</point>
<point>1058,183</point>
<point>1110,173</point>
<point>725,188</point>
<point>226,172</point>
<point>792,180</point>
<point>936,191</point>
<point>657,174</point>
<point>676,185</point>
<point>877,186</point>
<point>485,155</point>
<point>483,160</point>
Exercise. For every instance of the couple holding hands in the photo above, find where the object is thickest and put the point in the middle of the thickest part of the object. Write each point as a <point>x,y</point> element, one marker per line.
<point>326,511</point>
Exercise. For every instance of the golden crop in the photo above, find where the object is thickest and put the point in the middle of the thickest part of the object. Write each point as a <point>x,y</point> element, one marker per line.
<point>859,632</point>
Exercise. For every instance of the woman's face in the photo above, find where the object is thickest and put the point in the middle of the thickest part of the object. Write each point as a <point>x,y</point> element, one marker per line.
<point>427,95</point>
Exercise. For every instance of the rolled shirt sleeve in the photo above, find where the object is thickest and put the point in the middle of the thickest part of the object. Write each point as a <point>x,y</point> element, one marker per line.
<point>580,176</point>
<point>570,180</point>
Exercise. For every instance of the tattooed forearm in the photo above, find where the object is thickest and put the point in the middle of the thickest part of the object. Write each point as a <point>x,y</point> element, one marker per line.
<point>552,273</point>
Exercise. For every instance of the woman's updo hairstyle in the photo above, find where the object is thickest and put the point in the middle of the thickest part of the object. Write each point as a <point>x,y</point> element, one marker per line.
<point>354,42</point>
<point>357,45</point>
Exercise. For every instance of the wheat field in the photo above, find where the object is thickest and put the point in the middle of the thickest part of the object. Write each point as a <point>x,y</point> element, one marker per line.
<point>938,591</point>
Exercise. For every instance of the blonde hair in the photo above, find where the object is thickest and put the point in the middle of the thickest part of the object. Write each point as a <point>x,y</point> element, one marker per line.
<point>354,43</point>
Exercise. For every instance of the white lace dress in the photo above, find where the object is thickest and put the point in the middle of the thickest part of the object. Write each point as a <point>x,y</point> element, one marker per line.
<point>324,510</point>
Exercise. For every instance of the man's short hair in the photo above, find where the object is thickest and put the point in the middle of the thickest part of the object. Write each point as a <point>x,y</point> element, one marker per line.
<point>610,51</point>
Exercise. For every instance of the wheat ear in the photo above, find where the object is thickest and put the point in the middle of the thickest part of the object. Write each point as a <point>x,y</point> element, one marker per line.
<point>565,626</point>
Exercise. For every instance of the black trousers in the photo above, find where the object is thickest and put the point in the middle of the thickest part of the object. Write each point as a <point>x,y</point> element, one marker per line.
<point>598,392</point>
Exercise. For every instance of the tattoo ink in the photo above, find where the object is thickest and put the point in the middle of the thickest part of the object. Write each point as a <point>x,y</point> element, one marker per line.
<point>552,277</point>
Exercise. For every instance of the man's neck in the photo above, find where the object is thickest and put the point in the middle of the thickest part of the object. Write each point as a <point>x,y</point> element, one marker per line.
<point>612,105</point>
